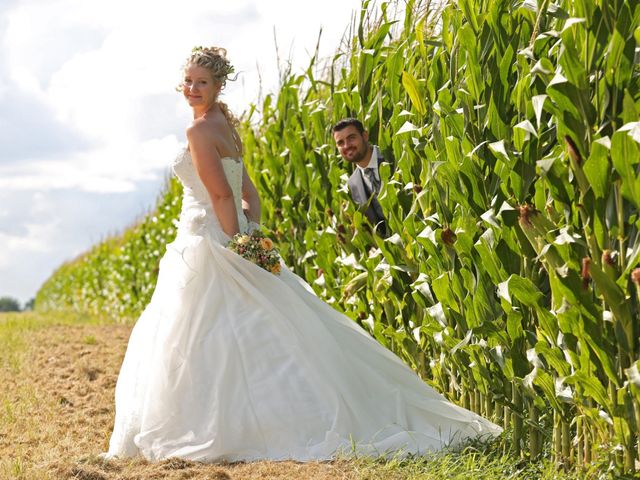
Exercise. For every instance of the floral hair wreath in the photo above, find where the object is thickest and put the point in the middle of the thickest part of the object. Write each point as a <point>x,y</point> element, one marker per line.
<point>226,69</point>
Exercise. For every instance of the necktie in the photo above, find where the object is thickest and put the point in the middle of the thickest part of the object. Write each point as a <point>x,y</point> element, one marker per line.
<point>373,180</point>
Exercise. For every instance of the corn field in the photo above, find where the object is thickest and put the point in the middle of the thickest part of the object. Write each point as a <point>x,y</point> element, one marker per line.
<point>511,280</point>
<point>118,275</point>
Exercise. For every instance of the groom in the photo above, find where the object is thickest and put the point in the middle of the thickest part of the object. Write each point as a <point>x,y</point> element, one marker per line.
<point>364,184</point>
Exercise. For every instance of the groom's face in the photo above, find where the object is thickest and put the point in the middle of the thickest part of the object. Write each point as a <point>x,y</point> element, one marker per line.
<point>352,144</point>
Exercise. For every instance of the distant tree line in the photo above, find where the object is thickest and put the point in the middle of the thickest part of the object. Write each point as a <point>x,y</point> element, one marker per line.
<point>10,304</point>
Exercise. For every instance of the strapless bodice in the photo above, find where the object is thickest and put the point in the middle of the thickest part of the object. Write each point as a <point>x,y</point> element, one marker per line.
<point>197,209</point>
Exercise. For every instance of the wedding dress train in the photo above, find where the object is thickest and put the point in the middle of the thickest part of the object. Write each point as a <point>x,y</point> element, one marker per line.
<point>229,362</point>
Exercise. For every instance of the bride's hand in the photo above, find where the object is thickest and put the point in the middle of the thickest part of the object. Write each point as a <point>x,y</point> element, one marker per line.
<point>251,225</point>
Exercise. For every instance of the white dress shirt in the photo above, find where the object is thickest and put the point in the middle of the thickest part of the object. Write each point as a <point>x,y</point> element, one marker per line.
<point>373,163</point>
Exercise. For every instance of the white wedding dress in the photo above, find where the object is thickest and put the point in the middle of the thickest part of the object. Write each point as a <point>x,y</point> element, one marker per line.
<point>229,362</point>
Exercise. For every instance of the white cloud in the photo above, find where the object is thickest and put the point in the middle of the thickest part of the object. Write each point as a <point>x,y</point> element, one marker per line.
<point>35,241</point>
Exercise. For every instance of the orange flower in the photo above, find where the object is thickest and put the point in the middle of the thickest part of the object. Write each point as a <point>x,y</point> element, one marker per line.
<point>275,268</point>
<point>266,243</point>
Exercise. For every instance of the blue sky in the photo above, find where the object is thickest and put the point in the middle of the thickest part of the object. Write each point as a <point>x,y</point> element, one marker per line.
<point>90,120</point>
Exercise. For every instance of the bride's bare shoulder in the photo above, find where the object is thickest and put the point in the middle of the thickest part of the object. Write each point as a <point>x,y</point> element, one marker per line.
<point>200,132</point>
<point>205,126</point>
<point>198,126</point>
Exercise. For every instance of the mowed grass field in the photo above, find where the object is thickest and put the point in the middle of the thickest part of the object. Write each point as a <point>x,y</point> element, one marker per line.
<point>58,373</point>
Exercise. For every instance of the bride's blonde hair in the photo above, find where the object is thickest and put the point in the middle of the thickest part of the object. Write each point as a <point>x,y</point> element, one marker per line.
<point>214,59</point>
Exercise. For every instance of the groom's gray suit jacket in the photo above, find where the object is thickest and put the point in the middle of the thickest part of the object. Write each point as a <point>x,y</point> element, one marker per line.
<point>361,195</point>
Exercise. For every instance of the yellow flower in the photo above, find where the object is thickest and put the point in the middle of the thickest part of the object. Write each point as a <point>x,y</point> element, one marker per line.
<point>275,268</point>
<point>266,243</point>
<point>243,240</point>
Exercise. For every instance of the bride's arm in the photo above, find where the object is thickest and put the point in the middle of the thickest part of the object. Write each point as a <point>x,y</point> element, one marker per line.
<point>250,199</point>
<point>209,167</point>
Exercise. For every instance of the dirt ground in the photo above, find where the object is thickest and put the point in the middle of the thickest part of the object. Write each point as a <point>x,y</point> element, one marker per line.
<point>56,415</point>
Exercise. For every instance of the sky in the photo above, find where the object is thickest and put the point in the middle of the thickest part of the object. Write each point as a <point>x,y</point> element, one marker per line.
<point>89,116</point>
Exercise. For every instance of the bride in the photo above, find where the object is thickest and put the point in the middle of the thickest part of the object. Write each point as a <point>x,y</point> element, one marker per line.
<point>229,362</point>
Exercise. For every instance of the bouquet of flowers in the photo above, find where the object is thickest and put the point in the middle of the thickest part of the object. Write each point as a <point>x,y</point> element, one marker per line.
<point>256,248</point>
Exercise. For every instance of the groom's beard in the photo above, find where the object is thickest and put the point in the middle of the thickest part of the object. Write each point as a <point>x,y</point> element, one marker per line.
<point>357,155</point>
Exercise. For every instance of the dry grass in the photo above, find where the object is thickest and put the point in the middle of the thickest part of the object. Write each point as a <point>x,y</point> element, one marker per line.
<point>58,374</point>
<point>56,413</point>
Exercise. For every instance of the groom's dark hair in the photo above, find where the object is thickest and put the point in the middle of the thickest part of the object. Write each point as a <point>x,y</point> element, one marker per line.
<point>346,122</point>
